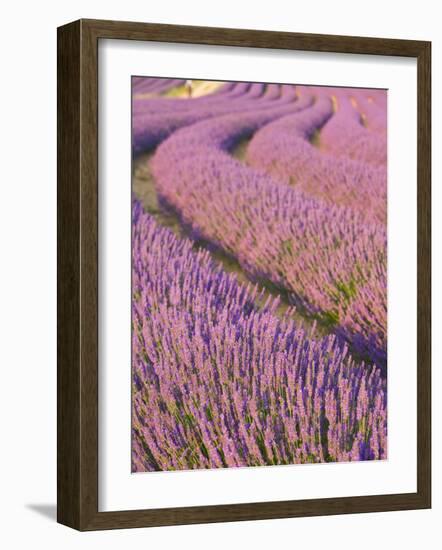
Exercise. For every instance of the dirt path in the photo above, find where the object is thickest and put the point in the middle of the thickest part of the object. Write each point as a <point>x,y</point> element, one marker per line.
<point>240,150</point>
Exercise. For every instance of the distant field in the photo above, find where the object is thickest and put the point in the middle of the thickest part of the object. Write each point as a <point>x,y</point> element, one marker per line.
<point>179,90</point>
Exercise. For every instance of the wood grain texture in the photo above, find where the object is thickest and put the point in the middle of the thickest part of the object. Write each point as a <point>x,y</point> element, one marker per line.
<point>68,275</point>
<point>253,38</point>
<point>424,274</point>
<point>77,225</point>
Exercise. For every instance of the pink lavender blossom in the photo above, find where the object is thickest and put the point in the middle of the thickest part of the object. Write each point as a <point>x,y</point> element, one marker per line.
<point>328,257</point>
<point>154,121</point>
<point>283,149</point>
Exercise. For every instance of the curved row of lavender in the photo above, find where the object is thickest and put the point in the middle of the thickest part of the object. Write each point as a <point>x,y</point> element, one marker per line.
<point>228,91</point>
<point>151,86</point>
<point>345,135</point>
<point>284,149</point>
<point>374,113</point>
<point>221,382</point>
<point>330,258</point>
<point>155,123</point>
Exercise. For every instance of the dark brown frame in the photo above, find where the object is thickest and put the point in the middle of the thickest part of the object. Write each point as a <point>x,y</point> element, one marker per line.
<point>77,224</point>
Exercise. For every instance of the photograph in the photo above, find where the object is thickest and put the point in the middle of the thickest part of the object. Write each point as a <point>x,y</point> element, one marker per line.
<point>218,265</point>
<point>259,274</point>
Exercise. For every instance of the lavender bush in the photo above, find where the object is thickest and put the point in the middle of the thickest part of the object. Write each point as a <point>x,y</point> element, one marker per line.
<point>284,149</point>
<point>344,135</point>
<point>326,256</point>
<point>221,382</point>
<point>150,127</point>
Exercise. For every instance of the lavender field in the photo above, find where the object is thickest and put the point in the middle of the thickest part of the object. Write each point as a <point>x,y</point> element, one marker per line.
<point>259,274</point>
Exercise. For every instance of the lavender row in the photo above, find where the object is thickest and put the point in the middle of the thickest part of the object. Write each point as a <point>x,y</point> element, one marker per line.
<point>155,85</point>
<point>221,382</point>
<point>149,130</point>
<point>227,92</point>
<point>345,135</point>
<point>374,114</point>
<point>283,149</point>
<point>329,258</point>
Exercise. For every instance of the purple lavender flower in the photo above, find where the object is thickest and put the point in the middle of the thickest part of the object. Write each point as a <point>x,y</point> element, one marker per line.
<point>219,381</point>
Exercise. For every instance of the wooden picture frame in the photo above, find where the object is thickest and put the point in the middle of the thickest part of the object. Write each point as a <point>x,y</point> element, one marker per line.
<point>77,226</point>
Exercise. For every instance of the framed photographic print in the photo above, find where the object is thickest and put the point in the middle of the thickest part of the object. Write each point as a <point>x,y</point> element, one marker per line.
<point>243,275</point>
